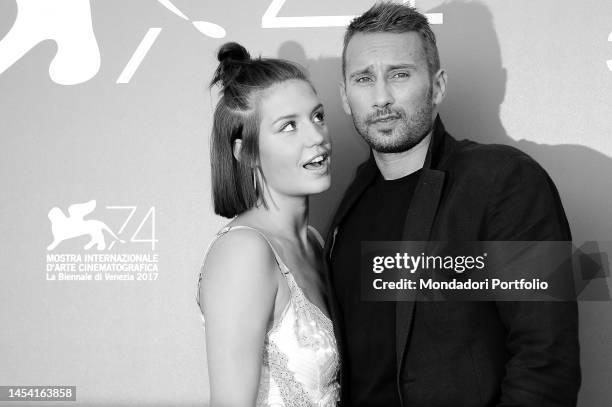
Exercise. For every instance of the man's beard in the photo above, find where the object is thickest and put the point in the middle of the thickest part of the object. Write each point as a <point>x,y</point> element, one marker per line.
<point>408,133</point>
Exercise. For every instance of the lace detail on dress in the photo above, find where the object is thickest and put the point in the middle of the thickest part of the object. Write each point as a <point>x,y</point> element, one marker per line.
<point>312,330</point>
<point>315,330</point>
<point>291,391</point>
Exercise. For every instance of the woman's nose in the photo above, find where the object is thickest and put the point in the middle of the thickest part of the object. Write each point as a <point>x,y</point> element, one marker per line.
<point>317,134</point>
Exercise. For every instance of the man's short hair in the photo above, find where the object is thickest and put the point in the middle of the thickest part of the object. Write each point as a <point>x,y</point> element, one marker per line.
<point>389,17</point>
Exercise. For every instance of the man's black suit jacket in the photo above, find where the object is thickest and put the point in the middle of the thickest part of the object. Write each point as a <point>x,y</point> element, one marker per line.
<point>478,353</point>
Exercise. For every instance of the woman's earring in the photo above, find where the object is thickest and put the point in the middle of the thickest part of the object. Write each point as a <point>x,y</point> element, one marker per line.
<point>255,179</point>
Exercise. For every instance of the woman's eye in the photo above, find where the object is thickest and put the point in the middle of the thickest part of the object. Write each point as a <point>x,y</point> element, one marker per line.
<point>319,117</point>
<point>289,126</point>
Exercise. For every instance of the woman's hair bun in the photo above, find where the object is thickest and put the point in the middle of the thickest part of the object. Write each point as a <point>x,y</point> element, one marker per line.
<point>232,57</point>
<point>232,52</point>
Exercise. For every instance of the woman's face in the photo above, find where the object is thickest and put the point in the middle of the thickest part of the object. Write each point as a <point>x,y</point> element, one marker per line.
<point>294,145</point>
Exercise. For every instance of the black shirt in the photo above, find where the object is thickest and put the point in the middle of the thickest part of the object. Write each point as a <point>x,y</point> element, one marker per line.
<point>369,327</point>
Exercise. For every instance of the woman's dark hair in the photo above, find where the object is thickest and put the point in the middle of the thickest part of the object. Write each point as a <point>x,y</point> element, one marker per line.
<point>242,81</point>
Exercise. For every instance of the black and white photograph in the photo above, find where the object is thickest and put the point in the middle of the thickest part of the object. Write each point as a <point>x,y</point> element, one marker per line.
<point>392,203</point>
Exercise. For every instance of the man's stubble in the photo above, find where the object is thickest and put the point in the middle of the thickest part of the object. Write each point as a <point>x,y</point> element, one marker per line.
<point>409,132</point>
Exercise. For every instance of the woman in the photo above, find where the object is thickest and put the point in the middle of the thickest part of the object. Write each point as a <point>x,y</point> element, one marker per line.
<point>269,339</point>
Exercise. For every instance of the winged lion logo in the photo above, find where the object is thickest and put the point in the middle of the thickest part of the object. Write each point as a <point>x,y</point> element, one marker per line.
<point>67,227</point>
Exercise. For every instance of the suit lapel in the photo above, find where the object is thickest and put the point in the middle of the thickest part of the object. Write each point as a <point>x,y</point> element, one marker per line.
<point>417,227</point>
<point>364,177</point>
<point>418,224</point>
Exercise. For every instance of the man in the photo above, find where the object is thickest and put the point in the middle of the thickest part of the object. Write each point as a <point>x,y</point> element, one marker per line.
<point>420,184</point>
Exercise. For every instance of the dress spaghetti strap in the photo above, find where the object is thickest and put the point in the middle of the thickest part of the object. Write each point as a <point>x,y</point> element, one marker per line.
<point>283,268</point>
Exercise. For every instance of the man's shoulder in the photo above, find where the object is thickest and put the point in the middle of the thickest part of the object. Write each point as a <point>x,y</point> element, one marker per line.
<point>479,161</point>
<point>472,157</point>
<point>490,153</point>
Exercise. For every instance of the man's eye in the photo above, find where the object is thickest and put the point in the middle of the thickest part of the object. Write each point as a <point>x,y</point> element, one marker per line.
<point>401,75</point>
<point>319,117</point>
<point>363,79</point>
<point>289,126</point>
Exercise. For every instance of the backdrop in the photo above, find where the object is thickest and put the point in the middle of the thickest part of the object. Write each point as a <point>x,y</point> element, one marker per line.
<point>105,119</point>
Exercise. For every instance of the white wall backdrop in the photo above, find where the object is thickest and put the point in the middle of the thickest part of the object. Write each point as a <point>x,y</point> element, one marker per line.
<point>107,100</point>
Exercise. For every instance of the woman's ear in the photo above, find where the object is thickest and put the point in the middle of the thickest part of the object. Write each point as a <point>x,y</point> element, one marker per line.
<point>237,148</point>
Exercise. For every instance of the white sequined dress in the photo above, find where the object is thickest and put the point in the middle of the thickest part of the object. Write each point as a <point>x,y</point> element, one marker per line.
<point>300,355</point>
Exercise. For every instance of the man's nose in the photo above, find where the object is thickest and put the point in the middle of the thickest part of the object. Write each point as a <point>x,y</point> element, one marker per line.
<point>382,94</point>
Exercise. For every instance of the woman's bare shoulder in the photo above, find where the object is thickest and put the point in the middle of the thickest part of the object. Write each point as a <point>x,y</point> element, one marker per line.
<point>240,253</point>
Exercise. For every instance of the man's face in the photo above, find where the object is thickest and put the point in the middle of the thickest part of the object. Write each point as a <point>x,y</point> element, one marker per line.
<point>388,90</point>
